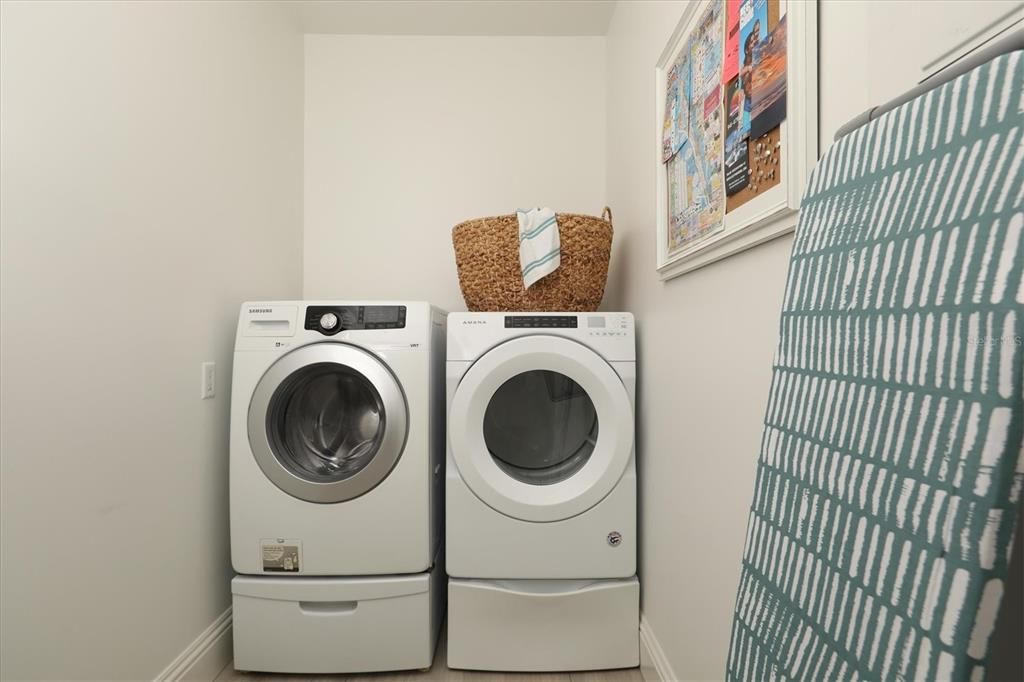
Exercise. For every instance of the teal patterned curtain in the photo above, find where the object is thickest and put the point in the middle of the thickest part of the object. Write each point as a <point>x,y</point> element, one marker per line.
<point>891,464</point>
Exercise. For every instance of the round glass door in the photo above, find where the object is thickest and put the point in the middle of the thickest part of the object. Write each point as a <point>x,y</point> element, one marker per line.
<point>327,422</point>
<point>540,427</point>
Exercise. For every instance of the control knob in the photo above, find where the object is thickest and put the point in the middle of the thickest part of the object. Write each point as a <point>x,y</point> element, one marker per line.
<point>328,321</point>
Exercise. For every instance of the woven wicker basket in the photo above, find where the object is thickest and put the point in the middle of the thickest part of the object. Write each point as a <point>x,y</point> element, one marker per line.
<point>487,255</point>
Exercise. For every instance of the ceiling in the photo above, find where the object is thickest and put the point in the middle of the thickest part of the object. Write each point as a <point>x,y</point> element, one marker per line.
<point>457,17</point>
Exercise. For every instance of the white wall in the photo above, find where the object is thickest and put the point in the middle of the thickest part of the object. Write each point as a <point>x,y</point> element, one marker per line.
<point>707,338</point>
<point>405,136</point>
<point>150,156</point>
<point>872,52</point>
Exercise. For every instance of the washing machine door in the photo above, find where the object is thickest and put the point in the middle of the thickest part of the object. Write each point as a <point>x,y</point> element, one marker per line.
<point>541,428</point>
<point>327,422</point>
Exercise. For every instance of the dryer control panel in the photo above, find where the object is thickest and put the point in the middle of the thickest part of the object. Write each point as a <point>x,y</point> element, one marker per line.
<point>331,319</point>
<point>610,334</point>
<point>541,321</point>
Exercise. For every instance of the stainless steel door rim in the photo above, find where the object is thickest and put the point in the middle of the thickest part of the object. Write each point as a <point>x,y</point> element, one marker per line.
<point>394,413</point>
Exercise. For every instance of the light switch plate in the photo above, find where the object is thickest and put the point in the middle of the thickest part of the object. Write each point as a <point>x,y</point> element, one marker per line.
<point>208,385</point>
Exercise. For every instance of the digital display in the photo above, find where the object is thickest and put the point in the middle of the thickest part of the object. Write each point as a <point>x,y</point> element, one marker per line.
<point>595,322</point>
<point>381,314</point>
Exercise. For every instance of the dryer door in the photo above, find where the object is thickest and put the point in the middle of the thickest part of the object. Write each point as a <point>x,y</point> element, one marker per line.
<point>327,422</point>
<point>541,428</point>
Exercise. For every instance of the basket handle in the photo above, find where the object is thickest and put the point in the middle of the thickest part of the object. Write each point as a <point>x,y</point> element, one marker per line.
<point>606,215</point>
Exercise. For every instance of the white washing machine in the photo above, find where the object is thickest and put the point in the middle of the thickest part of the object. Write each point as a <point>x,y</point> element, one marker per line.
<point>337,434</point>
<point>541,531</point>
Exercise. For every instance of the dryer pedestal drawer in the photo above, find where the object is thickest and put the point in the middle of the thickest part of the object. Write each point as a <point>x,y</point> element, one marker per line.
<point>336,625</point>
<point>543,625</point>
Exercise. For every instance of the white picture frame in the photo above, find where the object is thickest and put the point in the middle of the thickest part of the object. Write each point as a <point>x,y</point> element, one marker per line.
<point>773,213</point>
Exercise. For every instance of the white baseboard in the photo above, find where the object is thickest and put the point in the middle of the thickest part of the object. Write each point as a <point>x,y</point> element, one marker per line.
<point>654,666</point>
<point>205,657</point>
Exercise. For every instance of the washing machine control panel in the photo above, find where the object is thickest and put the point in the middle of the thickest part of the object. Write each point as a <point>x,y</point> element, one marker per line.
<point>329,320</point>
<point>541,321</point>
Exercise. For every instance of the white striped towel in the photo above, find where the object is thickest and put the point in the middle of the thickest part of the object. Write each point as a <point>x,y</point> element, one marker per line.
<point>539,246</point>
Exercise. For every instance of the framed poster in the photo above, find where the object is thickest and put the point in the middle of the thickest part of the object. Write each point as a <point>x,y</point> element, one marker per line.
<point>737,127</point>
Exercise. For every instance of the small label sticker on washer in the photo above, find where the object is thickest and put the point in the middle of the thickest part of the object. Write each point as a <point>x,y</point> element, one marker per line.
<point>280,556</point>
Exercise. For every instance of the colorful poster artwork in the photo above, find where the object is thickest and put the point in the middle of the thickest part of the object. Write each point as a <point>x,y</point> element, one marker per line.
<point>753,28</point>
<point>677,93</point>
<point>731,66</point>
<point>672,102</point>
<point>768,108</point>
<point>695,173</point>
<point>736,150</point>
<point>678,189</point>
<point>682,110</point>
<point>706,54</point>
<point>711,103</point>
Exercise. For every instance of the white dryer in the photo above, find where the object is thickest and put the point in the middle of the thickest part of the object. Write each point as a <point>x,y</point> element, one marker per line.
<point>541,478</point>
<point>541,536</point>
<point>336,458</point>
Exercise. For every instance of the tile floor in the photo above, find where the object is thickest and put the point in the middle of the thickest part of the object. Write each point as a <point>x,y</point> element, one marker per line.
<point>440,671</point>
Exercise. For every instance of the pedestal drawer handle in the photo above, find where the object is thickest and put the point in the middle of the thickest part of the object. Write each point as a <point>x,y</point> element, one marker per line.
<point>328,608</point>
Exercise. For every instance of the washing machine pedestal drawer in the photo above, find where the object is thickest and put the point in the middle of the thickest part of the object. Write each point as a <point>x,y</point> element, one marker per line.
<point>336,625</point>
<point>543,625</point>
